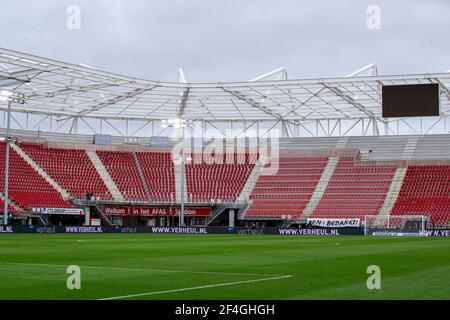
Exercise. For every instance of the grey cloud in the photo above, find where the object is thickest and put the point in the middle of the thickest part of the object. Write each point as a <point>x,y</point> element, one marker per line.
<point>232,39</point>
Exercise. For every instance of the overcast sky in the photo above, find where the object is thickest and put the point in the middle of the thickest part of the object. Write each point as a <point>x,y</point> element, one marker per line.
<point>232,40</point>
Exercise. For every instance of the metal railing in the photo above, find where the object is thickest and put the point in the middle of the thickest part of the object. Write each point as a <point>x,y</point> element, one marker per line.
<point>216,212</point>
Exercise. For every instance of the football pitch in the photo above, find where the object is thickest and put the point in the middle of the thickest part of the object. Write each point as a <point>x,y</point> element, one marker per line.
<point>146,266</point>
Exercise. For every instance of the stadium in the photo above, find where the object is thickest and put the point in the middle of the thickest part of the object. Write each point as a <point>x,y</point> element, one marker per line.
<point>299,172</point>
<point>117,187</point>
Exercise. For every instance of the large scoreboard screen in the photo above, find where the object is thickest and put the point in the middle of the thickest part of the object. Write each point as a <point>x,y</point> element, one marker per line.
<point>412,100</point>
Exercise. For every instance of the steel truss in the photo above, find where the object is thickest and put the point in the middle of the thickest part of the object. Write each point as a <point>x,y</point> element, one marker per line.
<point>69,98</point>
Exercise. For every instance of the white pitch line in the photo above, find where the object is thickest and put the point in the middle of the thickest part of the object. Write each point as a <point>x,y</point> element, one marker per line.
<point>194,288</point>
<point>145,270</point>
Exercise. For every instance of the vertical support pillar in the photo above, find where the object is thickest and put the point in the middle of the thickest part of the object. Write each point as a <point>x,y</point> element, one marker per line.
<point>6,189</point>
<point>75,125</point>
<point>183,179</point>
<point>375,127</point>
<point>284,130</point>
<point>231,218</point>
<point>87,216</point>
<point>365,225</point>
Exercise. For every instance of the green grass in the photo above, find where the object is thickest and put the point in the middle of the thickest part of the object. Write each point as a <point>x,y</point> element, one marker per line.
<point>34,266</point>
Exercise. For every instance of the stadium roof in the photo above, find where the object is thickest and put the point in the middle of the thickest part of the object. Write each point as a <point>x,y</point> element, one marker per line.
<point>68,90</point>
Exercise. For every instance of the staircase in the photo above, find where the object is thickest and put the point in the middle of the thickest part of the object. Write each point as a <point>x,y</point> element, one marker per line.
<point>342,142</point>
<point>44,219</point>
<point>38,218</point>
<point>109,182</point>
<point>251,181</point>
<point>286,224</point>
<point>320,187</point>
<point>64,194</point>
<point>141,174</point>
<point>410,148</point>
<point>216,212</point>
<point>102,216</point>
<point>177,165</point>
<point>393,192</point>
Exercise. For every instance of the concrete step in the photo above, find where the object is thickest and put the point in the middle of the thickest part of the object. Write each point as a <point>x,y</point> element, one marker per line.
<point>410,148</point>
<point>320,187</point>
<point>393,192</point>
<point>104,174</point>
<point>251,181</point>
<point>141,175</point>
<point>177,164</point>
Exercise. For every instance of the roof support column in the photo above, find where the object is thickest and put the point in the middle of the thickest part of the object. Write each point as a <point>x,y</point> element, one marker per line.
<point>376,132</point>
<point>74,128</point>
<point>284,129</point>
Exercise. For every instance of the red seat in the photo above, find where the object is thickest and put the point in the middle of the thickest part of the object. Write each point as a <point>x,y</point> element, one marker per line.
<point>220,177</point>
<point>355,190</point>
<point>27,188</point>
<point>425,191</point>
<point>159,174</point>
<point>71,168</point>
<point>287,192</point>
<point>122,168</point>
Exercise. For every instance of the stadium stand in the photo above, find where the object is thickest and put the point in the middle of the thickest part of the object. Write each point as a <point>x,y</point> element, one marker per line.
<point>123,169</point>
<point>219,178</point>
<point>158,171</point>
<point>355,187</point>
<point>287,190</point>
<point>426,191</point>
<point>355,190</point>
<point>71,168</point>
<point>26,187</point>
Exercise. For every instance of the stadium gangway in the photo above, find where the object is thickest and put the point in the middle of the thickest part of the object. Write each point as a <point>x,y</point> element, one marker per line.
<point>217,211</point>
<point>39,219</point>
<point>102,216</point>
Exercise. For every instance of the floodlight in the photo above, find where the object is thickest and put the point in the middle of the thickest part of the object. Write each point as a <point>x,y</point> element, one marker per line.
<point>5,95</point>
<point>174,123</point>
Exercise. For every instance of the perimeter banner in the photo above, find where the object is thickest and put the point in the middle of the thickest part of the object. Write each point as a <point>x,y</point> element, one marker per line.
<point>150,211</point>
<point>115,211</point>
<point>182,230</point>
<point>155,211</point>
<point>192,212</point>
<point>61,211</point>
<point>334,223</point>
